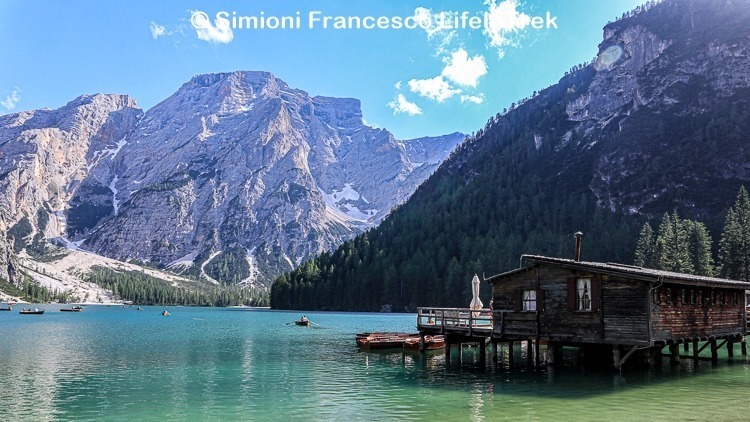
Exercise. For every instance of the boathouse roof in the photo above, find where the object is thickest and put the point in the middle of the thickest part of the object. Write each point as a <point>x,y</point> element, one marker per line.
<point>628,271</point>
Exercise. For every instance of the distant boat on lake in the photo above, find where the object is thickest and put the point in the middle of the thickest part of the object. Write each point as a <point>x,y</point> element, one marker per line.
<point>30,311</point>
<point>73,309</point>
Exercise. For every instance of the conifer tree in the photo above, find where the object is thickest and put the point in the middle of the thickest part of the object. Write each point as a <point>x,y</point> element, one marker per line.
<point>699,247</point>
<point>734,247</point>
<point>672,250</point>
<point>645,250</point>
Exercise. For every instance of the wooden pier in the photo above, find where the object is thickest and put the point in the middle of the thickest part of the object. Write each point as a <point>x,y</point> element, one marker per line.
<point>611,313</point>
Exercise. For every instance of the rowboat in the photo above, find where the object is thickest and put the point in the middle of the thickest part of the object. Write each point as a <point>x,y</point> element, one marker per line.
<point>31,311</point>
<point>430,343</point>
<point>380,341</point>
<point>6,309</point>
<point>305,323</point>
<point>73,309</point>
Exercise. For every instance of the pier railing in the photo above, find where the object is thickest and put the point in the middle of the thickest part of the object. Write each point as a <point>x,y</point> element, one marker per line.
<point>455,319</point>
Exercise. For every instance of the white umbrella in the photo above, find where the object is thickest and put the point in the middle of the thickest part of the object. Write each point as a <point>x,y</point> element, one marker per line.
<point>476,303</point>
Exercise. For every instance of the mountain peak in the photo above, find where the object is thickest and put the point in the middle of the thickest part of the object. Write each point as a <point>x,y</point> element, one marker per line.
<point>338,112</point>
<point>108,101</point>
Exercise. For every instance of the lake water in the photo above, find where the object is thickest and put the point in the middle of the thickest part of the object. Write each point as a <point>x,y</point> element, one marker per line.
<point>114,363</point>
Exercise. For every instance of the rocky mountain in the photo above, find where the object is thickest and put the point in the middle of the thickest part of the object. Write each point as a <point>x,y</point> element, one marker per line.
<point>657,122</point>
<point>235,177</point>
<point>46,156</point>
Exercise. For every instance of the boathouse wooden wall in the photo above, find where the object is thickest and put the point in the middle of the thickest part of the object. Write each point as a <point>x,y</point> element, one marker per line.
<point>627,311</point>
<point>621,316</point>
<point>680,311</point>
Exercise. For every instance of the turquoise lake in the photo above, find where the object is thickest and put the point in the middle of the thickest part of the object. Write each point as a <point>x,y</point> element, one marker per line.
<point>114,363</point>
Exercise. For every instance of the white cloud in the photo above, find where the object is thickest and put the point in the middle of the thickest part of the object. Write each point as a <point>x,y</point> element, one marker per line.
<point>11,100</point>
<point>397,85</point>
<point>464,70</point>
<point>505,24</point>
<point>476,99</point>
<point>431,22</point>
<point>157,30</point>
<point>220,31</point>
<point>436,88</point>
<point>401,105</point>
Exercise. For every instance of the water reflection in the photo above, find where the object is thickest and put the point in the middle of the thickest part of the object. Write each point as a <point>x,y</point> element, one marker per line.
<point>208,364</point>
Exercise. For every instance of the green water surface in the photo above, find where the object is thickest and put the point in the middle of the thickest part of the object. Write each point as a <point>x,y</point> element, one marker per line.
<point>114,363</point>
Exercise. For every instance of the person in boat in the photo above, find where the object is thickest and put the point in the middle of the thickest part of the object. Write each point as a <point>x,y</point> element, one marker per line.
<point>303,319</point>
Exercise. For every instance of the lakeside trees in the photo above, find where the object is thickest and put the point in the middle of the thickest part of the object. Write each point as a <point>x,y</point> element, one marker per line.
<point>683,245</point>
<point>734,247</point>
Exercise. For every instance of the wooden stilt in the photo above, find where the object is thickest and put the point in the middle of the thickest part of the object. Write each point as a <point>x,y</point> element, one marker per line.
<point>730,348</point>
<point>696,351</point>
<point>536,353</point>
<point>510,353</point>
<point>551,354</point>
<point>447,349</point>
<point>743,346</point>
<point>421,342</point>
<point>714,351</point>
<point>674,354</point>
<point>616,356</point>
<point>686,346</point>
<point>494,351</point>
<point>529,353</point>
<point>482,351</point>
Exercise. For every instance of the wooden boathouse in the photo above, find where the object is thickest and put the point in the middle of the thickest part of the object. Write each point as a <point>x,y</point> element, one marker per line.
<point>608,311</point>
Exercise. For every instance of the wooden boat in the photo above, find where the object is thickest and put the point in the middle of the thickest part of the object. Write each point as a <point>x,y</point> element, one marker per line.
<point>305,323</point>
<point>165,313</point>
<point>31,311</point>
<point>380,341</point>
<point>73,309</point>
<point>9,308</point>
<point>430,342</point>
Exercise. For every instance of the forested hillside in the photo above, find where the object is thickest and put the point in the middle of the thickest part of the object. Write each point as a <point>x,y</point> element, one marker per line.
<point>656,123</point>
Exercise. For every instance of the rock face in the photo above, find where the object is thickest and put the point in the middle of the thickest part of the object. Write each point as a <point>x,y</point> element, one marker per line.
<point>654,111</point>
<point>45,157</point>
<point>236,162</point>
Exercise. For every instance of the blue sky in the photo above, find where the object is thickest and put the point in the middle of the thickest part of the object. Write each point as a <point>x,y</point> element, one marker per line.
<point>414,82</point>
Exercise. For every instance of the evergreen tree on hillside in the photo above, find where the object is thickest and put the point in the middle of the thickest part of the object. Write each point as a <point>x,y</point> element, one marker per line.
<point>734,247</point>
<point>645,249</point>
<point>699,247</point>
<point>680,245</point>
<point>671,245</point>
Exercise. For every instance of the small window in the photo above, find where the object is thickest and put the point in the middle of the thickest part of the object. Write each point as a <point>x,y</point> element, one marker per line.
<point>735,299</point>
<point>723,298</point>
<point>692,297</point>
<point>684,297</point>
<point>529,300</point>
<point>669,296</point>
<point>713,298</point>
<point>583,294</point>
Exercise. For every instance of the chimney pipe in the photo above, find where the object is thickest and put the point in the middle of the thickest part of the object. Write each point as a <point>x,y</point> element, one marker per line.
<point>578,237</point>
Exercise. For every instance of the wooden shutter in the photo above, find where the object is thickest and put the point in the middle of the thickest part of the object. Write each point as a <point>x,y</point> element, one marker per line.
<point>540,300</point>
<point>518,300</point>
<point>596,293</point>
<point>572,293</point>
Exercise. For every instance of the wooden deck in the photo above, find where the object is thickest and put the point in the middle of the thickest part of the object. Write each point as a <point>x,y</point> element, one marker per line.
<point>460,325</point>
<point>461,321</point>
